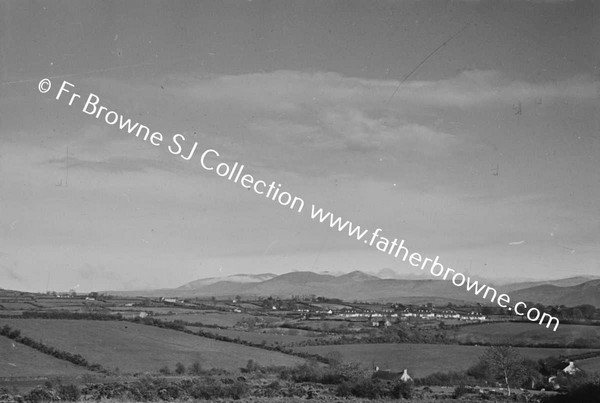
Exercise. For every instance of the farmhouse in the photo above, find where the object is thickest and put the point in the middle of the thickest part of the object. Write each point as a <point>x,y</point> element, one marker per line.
<point>381,323</point>
<point>405,377</point>
<point>390,375</point>
<point>571,369</point>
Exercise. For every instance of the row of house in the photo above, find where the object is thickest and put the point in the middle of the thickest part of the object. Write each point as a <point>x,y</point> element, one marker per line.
<point>422,313</point>
<point>441,314</point>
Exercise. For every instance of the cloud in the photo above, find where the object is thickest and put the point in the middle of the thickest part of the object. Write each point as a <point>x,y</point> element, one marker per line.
<point>359,131</point>
<point>111,164</point>
<point>292,91</point>
<point>300,122</point>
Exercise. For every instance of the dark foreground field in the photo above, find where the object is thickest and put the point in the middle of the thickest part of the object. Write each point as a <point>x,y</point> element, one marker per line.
<point>424,359</point>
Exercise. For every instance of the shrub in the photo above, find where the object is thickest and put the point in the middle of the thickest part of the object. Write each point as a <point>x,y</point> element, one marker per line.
<point>209,389</point>
<point>366,388</point>
<point>403,390</point>
<point>344,389</point>
<point>195,369</point>
<point>460,390</point>
<point>179,368</point>
<point>251,366</point>
<point>588,392</point>
<point>70,393</point>
<point>40,394</point>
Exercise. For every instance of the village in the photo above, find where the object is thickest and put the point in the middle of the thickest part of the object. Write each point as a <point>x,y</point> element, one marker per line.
<point>319,308</point>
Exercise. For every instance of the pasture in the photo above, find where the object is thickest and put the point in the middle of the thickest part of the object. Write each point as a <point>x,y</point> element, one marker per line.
<point>590,365</point>
<point>529,334</point>
<point>271,337</point>
<point>223,319</point>
<point>136,348</point>
<point>18,360</point>
<point>424,359</point>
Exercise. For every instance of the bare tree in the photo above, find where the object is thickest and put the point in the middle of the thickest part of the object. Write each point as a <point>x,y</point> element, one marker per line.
<point>505,363</point>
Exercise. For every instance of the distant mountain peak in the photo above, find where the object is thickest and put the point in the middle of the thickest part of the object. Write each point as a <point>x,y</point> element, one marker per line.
<point>234,278</point>
<point>359,276</point>
<point>358,285</point>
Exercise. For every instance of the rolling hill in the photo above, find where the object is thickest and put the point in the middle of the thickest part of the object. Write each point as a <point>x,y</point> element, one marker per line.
<point>563,282</point>
<point>584,293</point>
<point>236,278</point>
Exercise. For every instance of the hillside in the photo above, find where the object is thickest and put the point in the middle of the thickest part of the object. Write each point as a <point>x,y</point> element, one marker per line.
<point>585,293</point>
<point>361,286</point>
<point>563,282</point>
<point>236,278</point>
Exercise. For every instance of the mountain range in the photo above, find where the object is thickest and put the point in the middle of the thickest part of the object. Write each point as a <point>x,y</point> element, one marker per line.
<point>360,286</point>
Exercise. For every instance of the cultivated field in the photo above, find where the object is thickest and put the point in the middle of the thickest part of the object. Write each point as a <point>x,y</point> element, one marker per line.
<point>424,359</point>
<point>134,348</point>
<point>529,334</point>
<point>18,360</point>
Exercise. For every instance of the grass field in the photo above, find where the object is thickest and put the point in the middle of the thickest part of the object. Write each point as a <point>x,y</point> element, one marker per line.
<point>590,365</point>
<point>258,336</point>
<point>11,306</point>
<point>424,359</point>
<point>224,319</point>
<point>18,360</point>
<point>529,334</point>
<point>138,348</point>
<point>157,310</point>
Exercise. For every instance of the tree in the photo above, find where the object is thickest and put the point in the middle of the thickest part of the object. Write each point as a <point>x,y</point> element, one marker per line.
<point>587,310</point>
<point>505,364</point>
<point>179,368</point>
<point>195,368</point>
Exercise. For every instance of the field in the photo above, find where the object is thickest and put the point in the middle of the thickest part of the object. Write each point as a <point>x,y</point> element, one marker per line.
<point>134,348</point>
<point>530,334</point>
<point>224,319</point>
<point>17,360</point>
<point>590,365</point>
<point>283,337</point>
<point>424,359</point>
<point>156,310</point>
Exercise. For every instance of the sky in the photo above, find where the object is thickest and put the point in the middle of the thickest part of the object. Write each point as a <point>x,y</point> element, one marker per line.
<point>470,129</point>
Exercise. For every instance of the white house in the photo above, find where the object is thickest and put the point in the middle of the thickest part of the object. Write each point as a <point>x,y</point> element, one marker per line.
<point>405,377</point>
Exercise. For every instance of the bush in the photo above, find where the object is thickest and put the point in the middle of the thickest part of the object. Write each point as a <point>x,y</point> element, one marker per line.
<point>403,390</point>
<point>40,394</point>
<point>251,366</point>
<point>460,390</point>
<point>70,393</point>
<point>446,379</point>
<point>586,393</point>
<point>366,388</point>
<point>344,389</point>
<point>179,368</point>
<point>195,369</point>
<point>209,389</point>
